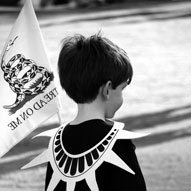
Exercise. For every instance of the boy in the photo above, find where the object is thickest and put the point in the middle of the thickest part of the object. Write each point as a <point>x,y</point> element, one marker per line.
<point>94,71</point>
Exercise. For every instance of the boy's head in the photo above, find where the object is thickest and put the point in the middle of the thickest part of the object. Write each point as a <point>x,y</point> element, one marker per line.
<point>85,64</point>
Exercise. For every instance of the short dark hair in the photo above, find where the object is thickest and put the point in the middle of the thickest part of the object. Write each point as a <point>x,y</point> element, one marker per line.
<point>85,64</point>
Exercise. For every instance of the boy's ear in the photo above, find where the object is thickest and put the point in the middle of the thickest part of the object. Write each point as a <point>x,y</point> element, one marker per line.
<point>106,89</point>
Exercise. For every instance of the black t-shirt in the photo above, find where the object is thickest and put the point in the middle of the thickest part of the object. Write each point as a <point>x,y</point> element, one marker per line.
<point>79,138</point>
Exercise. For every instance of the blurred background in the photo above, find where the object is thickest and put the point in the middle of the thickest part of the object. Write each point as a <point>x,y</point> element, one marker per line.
<point>156,36</point>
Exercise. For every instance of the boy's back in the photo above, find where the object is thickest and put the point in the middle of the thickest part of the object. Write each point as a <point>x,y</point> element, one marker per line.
<point>82,137</point>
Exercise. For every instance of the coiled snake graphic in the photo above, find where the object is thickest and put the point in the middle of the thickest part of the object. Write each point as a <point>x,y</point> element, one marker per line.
<point>23,75</point>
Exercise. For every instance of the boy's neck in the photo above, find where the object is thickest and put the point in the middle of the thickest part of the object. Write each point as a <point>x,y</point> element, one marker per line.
<point>88,112</point>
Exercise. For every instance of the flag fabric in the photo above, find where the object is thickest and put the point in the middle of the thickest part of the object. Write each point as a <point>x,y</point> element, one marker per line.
<point>28,95</point>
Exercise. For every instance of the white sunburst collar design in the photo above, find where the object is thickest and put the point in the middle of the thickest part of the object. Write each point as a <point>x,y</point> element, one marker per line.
<point>73,168</point>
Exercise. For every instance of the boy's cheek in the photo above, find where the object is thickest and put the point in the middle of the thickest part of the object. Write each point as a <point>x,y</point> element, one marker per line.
<point>109,115</point>
<point>113,109</point>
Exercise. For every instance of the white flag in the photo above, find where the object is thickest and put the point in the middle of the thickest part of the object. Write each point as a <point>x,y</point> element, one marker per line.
<point>28,95</point>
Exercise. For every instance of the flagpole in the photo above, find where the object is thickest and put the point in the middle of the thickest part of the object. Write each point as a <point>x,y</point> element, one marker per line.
<point>59,117</point>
